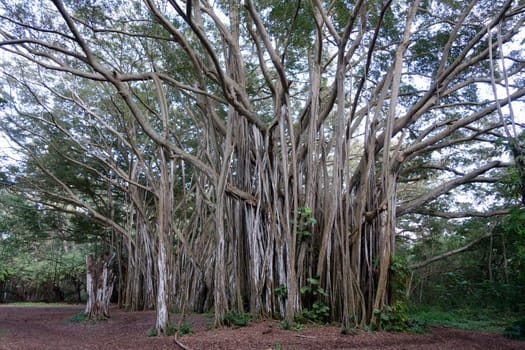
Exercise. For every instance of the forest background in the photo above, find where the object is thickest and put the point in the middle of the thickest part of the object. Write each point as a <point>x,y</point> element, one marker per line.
<point>308,160</point>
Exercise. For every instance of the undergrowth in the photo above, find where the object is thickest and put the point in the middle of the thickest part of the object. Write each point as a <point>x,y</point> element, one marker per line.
<point>468,319</point>
<point>516,330</point>
<point>171,329</point>
<point>236,318</point>
<point>80,317</point>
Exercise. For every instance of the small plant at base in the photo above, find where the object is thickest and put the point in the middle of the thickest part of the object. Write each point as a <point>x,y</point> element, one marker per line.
<point>185,328</point>
<point>152,332</point>
<point>348,331</point>
<point>392,318</point>
<point>236,318</point>
<point>171,329</point>
<point>291,326</point>
<point>319,311</point>
<point>80,317</point>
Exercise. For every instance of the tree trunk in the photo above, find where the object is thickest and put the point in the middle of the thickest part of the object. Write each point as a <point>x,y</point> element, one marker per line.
<point>99,287</point>
<point>164,242</point>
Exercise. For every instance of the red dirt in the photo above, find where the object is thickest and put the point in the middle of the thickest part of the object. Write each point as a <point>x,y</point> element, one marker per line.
<point>48,327</point>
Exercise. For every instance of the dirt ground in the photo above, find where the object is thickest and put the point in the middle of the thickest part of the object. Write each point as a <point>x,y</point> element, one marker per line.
<point>49,327</point>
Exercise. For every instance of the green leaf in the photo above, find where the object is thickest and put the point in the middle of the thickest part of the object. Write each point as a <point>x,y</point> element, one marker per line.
<point>312,281</point>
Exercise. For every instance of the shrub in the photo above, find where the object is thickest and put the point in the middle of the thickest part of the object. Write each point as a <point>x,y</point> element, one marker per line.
<point>152,332</point>
<point>80,317</point>
<point>516,330</point>
<point>291,326</point>
<point>236,318</point>
<point>318,312</point>
<point>392,318</point>
<point>185,328</point>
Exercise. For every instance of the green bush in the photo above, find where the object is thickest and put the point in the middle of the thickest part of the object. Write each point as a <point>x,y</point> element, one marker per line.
<point>152,332</point>
<point>392,318</point>
<point>516,330</point>
<point>472,319</point>
<point>185,328</point>
<point>291,326</point>
<point>236,318</point>
<point>171,329</point>
<point>318,312</point>
<point>281,291</point>
<point>80,317</point>
<point>306,220</point>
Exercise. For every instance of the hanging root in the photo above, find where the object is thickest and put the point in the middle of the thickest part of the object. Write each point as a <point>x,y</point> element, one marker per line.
<point>182,346</point>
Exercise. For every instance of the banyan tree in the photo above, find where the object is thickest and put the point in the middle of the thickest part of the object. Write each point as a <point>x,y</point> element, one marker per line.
<point>256,155</point>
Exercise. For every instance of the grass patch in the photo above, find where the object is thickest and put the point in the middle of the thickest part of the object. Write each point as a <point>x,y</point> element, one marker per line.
<point>152,332</point>
<point>483,320</point>
<point>80,317</point>
<point>38,304</point>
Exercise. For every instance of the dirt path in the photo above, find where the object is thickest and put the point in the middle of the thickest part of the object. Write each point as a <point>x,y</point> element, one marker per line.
<point>49,328</point>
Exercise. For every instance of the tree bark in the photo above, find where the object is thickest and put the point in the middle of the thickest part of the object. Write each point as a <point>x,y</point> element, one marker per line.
<point>99,287</point>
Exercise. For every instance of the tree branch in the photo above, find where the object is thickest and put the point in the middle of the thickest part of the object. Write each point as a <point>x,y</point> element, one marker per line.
<point>450,253</point>
<point>410,205</point>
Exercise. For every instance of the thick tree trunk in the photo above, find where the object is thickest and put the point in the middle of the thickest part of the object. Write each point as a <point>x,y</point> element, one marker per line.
<point>164,242</point>
<point>162,320</point>
<point>99,287</point>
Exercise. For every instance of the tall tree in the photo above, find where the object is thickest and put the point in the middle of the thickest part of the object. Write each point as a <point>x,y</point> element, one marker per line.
<point>267,139</point>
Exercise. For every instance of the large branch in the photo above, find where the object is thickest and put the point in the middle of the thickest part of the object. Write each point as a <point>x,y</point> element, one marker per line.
<point>422,264</point>
<point>411,205</point>
<point>461,63</point>
<point>463,214</point>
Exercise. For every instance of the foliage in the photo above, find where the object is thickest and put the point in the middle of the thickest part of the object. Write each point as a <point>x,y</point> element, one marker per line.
<point>171,329</point>
<point>318,312</point>
<point>392,318</point>
<point>488,276</point>
<point>281,291</point>
<point>80,317</point>
<point>34,257</point>
<point>516,330</point>
<point>152,332</point>
<point>291,326</point>
<point>236,318</point>
<point>313,288</point>
<point>306,220</point>
<point>395,317</point>
<point>4,272</point>
<point>463,318</point>
<point>401,275</point>
<point>185,328</point>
